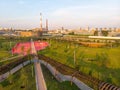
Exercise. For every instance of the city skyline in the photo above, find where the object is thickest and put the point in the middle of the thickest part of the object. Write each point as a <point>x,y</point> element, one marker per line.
<point>70,14</point>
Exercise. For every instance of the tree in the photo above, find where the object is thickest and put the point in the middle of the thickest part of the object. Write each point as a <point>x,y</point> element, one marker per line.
<point>22,49</point>
<point>104,33</point>
<point>23,78</point>
<point>28,53</point>
<point>96,33</point>
<point>11,79</point>
<point>22,52</point>
<point>102,59</point>
<point>71,33</point>
<point>80,60</point>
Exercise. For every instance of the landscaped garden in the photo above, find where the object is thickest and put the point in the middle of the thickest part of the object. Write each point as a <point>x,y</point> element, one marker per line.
<point>24,78</point>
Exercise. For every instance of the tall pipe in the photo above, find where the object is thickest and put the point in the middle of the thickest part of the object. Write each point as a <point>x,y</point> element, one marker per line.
<point>46,24</point>
<point>40,21</point>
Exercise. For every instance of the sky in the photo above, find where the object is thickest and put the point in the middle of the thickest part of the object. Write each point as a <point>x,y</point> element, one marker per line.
<point>70,14</point>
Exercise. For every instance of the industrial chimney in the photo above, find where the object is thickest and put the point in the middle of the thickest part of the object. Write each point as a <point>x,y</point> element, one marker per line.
<point>40,21</point>
<point>46,24</point>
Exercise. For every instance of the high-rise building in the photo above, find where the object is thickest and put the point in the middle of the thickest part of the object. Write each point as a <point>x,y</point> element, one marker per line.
<point>62,28</point>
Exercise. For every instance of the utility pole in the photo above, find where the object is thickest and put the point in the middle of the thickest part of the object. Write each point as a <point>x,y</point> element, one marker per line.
<point>46,24</point>
<point>74,58</point>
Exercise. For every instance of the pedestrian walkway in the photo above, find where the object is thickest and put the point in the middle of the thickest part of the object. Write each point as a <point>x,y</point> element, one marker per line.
<point>40,82</point>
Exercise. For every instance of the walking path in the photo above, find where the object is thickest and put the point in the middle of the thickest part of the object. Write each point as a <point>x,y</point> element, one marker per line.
<point>40,82</point>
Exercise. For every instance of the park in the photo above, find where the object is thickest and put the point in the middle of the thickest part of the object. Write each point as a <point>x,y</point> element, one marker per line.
<point>98,62</point>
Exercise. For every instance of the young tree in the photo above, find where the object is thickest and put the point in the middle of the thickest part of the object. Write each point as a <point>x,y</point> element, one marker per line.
<point>104,33</point>
<point>22,50</point>
<point>11,79</point>
<point>23,78</point>
<point>96,33</point>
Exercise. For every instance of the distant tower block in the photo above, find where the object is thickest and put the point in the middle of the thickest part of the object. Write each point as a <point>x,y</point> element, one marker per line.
<point>88,28</point>
<point>40,21</point>
<point>100,32</point>
<point>114,28</point>
<point>62,28</point>
<point>96,29</point>
<point>46,24</point>
<point>110,29</point>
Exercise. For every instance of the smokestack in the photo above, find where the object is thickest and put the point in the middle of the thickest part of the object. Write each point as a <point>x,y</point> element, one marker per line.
<point>40,21</point>
<point>46,24</point>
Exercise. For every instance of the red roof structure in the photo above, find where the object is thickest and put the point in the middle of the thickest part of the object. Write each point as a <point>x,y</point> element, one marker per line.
<point>25,48</point>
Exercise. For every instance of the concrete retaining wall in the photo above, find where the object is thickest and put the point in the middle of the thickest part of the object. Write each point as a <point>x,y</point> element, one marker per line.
<point>60,77</point>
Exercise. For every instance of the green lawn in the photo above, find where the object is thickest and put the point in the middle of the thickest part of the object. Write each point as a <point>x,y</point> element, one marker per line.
<point>5,51</point>
<point>24,77</point>
<point>105,64</point>
<point>20,78</point>
<point>3,55</point>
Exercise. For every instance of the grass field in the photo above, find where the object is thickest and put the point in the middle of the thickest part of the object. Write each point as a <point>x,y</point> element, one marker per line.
<point>102,63</point>
<point>5,51</point>
<point>24,77</point>
<point>20,78</point>
<point>4,55</point>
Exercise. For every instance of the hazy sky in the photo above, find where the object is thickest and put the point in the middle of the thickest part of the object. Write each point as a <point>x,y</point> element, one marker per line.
<point>66,13</point>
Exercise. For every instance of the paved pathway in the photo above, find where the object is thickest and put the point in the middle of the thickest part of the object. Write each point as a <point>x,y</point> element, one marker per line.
<point>40,82</point>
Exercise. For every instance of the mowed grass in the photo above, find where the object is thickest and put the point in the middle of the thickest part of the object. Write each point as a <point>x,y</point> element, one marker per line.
<point>5,51</point>
<point>107,69</point>
<point>24,77</point>
<point>3,55</point>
